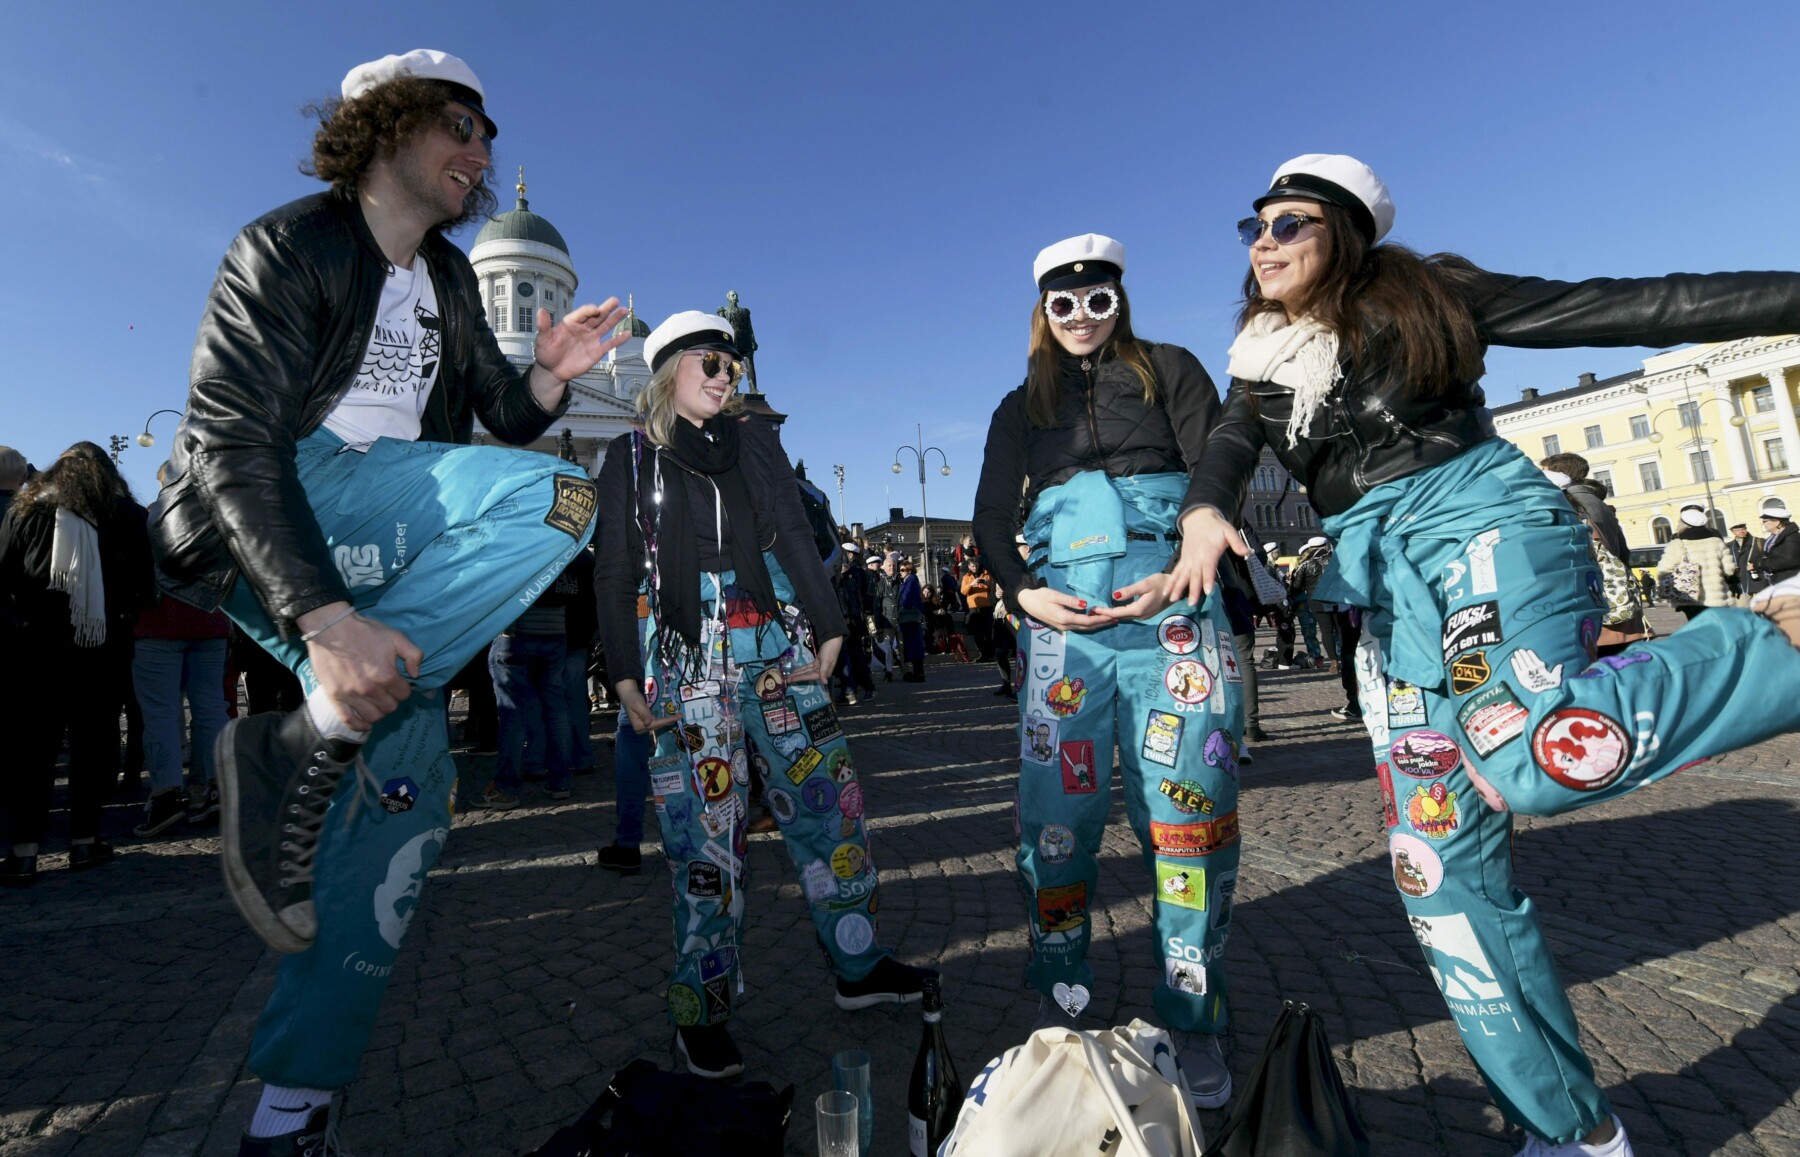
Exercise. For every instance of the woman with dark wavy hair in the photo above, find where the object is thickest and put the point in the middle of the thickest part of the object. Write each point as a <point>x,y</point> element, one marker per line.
<point>1095,446</point>
<point>1358,362</point>
<point>74,571</point>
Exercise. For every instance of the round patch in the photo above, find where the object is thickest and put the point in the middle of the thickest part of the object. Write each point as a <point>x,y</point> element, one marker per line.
<point>1425,754</point>
<point>740,767</point>
<point>1056,844</point>
<point>769,684</point>
<point>819,795</point>
<point>847,861</point>
<point>1188,681</point>
<point>781,805</point>
<point>684,1005</point>
<point>837,766</point>
<point>1417,870</point>
<point>650,690</point>
<point>850,801</point>
<point>1590,636</point>
<point>1179,634</point>
<point>1581,749</point>
<point>1432,811</point>
<point>715,778</point>
<point>854,934</point>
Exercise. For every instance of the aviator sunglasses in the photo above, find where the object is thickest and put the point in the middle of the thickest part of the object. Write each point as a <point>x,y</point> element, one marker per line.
<point>464,129</point>
<point>1284,228</point>
<point>1099,303</point>
<point>712,362</point>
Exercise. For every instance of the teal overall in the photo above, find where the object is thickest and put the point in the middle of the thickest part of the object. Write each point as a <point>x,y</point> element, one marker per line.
<point>1483,608</point>
<point>734,705</point>
<point>448,545</point>
<point>1167,693</point>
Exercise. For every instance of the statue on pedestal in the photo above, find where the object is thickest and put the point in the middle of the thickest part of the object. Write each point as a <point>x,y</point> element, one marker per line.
<point>739,318</point>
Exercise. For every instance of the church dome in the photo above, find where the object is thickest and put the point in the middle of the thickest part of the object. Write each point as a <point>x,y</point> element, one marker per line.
<point>521,224</point>
<point>632,326</point>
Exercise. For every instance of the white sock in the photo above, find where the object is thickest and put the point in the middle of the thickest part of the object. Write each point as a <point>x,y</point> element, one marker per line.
<point>330,724</point>
<point>283,1109</point>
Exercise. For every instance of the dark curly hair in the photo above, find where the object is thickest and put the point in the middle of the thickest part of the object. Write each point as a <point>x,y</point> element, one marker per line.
<point>82,479</point>
<point>353,133</point>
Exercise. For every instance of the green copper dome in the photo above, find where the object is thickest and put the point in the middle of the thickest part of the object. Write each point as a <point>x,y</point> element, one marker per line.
<point>521,224</point>
<point>633,325</point>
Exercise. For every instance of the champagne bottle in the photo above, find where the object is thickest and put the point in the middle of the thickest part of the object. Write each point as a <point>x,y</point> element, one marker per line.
<point>934,1096</point>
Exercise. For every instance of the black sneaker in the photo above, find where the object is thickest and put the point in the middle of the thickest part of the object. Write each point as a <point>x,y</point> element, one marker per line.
<point>889,982</point>
<point>203,805</point>
<point>1255,734</point>
<point>17,871</point>
<point>1347,713</point>
<point>85,856</point>
<point>316,1138</point>
<point>276,779</point>
<point>708,1051</point>
<point>625,861</point>
<point>163,812</point>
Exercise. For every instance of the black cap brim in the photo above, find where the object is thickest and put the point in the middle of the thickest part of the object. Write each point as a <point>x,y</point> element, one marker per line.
<point>464,95</point>
<point>1307,187</point>
<point>1077,274</point>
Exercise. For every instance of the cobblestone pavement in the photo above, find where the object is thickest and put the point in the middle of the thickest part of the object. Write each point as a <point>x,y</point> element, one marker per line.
<point>530,975</point>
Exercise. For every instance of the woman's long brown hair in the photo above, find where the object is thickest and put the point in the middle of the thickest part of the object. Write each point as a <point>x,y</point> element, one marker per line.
<point>1368,287</point>
<point>1043,380</point>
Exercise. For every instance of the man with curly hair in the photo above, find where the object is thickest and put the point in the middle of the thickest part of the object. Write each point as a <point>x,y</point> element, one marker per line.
<point>321,489</point>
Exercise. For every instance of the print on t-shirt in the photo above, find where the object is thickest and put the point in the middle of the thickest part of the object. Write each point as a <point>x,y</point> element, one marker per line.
<point>388,394</point>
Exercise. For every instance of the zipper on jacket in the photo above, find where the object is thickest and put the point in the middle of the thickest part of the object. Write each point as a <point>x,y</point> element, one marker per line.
<point>1087,367</point>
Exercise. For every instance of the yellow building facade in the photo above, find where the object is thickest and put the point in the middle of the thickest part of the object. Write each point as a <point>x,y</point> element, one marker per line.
<point>1711,424</point>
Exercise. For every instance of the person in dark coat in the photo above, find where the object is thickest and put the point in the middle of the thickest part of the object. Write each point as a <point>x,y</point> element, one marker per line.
<point>74,573</point>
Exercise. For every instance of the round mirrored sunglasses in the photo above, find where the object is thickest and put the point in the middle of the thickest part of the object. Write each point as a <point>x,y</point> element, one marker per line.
<point>1098,303</point>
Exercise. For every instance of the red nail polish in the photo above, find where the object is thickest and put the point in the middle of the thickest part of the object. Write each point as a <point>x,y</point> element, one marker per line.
<point>1084,602</point>
<point>1118,595</point>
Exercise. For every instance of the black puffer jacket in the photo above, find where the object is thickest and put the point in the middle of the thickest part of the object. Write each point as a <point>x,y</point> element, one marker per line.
<point>1370,432</point>
<point>284,332</point>
<point>1102,423</point>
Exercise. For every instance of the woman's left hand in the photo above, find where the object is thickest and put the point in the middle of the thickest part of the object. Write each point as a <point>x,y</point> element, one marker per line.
<point>1147,599</point>
<point>823,664</point>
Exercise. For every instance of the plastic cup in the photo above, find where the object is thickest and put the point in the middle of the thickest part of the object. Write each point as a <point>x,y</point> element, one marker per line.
<point>835,1113</point>
<point>850,1074</point>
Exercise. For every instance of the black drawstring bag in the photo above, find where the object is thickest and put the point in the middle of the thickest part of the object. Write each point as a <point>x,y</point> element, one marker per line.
<point>1296,1105</point>
<point>658,1114</point>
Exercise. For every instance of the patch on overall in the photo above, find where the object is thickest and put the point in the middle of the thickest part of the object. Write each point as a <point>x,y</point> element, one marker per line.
<point>572,506</point>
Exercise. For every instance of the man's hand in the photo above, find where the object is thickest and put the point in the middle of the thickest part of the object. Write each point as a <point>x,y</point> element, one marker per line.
<point>356,663</point>
<point>1143,599</point>
<point>823,664</point>
<point>573,346</point>
<point>637,708</point>
<point>1063,612</point>
<point>1205,537</point>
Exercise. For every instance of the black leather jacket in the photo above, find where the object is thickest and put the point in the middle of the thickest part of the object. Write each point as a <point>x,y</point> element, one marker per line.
<point>284,332</point>
<point>1102,423</point>
<point>1370,433</point>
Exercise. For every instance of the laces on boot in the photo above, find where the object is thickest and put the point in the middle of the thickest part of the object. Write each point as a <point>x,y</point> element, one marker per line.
<point>308,802</point>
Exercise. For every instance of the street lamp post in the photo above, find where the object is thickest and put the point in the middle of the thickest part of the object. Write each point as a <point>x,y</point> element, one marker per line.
<point>1694,442</point>
<point>921,451</point>
<point>119,442</point>
<point>843,519</point>
<point>146,439</point>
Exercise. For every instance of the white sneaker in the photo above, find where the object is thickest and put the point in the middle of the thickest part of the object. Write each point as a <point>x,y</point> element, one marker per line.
<point>1619,1146</point>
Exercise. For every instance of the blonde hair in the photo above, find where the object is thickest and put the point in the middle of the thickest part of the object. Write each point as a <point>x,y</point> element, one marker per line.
<point>656,403</point>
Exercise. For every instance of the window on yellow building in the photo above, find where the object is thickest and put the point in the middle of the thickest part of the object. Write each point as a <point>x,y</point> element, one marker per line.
<point>1604,478</point>
<point>1640,425</point>
<point>1775,450</point>
<point>1660,528</point>
<point>1762,399</point>
<point>1552,445</point>
<point>1650,474</point>
<point>1700,465</point>
<point>1592,436</point>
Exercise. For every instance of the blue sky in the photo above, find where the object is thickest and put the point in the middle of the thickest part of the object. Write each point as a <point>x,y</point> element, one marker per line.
<point>874,180</point>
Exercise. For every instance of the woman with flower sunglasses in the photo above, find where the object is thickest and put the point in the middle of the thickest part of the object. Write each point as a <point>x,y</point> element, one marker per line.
<point>701,513</point>
<point>1097,445</point>
<point>1358,362</point>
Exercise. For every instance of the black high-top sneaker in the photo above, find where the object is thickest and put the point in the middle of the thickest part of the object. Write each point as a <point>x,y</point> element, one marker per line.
<point>708,1051</point>
<point>276,778</point>
<point>316,1138</point>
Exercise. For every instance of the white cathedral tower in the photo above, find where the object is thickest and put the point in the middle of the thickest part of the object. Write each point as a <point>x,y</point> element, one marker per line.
<point>523,265</point>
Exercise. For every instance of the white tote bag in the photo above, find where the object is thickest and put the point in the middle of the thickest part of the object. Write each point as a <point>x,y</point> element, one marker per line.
<point>1074,1094</point>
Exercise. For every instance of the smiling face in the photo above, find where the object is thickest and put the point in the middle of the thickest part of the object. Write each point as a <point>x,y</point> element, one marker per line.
<point>436,171</point>
<point>1288,273</point>
<point>1081,335</point>
<point>698,397</point>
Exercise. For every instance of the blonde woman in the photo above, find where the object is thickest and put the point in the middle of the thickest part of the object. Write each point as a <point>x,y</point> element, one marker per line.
<point>701,513</point>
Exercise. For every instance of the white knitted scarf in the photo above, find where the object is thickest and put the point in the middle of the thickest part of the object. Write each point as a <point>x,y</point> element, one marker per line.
<point>1301,355</point>
<point>75,570</point>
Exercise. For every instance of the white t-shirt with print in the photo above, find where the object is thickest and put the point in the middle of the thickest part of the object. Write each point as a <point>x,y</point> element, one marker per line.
<point>387,396</point>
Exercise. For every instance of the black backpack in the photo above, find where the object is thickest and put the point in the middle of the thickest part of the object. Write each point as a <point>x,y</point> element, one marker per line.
<point>652,1114</point>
